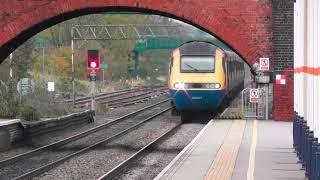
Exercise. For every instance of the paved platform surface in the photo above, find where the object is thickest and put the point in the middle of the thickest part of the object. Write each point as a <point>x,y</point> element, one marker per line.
<point>238,150</point>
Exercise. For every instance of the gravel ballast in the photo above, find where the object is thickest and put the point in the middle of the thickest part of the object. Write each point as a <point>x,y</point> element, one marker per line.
<point>44,139</point>
<point>95,163</point>
<point>150,164</point>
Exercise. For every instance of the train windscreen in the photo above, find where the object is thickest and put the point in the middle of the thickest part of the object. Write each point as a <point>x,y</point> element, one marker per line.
<point>196,64</point>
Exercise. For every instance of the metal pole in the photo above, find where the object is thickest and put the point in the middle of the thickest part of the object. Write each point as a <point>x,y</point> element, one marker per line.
<point>10,73</point>
<point>257,104</point>
<point>72,71</point>
<point>267,103</point>
<point>93,103</point>
<point>242,105</point>
<point>43,60</point>
<point>103,75</point>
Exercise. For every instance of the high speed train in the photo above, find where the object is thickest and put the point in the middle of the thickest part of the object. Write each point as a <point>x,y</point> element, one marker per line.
<point>203,78</point>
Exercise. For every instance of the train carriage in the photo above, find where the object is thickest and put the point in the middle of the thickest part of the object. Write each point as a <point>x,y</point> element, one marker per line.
<point>203,78</point>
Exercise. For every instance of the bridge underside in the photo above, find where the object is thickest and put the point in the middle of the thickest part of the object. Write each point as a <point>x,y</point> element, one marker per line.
<point>246,26</point>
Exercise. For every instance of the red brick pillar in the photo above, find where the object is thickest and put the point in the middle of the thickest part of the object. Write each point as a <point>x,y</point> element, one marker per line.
<point>282,51</point>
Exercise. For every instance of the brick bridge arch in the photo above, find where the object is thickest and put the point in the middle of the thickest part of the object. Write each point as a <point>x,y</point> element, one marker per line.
<point>246,26</point>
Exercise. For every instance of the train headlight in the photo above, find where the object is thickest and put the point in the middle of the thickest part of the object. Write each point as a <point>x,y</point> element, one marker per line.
<point>178,85</point>
<point>217,85</point>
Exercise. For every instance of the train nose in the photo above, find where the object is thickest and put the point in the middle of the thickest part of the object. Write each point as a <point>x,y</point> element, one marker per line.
<point>197,97</point>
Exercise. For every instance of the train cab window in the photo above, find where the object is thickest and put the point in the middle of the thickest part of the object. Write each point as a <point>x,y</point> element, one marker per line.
<point>197,64</point>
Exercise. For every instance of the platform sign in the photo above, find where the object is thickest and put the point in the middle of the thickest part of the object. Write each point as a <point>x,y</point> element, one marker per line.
<point>51,86</point>
<point>264,64</point>
<point>280,79</point>
<point>254,95</point>
<point>103,66</point>
<point>25,86</point>
<point>93,75</point>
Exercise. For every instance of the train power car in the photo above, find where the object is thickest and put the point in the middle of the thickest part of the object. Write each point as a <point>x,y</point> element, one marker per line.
<point>203,78</point>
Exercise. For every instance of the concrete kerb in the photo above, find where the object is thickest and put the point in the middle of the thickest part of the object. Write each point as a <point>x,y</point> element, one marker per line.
<point>163,172</point>
<point>14,130</point>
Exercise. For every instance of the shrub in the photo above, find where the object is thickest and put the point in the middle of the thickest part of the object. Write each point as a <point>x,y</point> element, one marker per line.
<point>120,85</point>
<point>101,108</point>
<point>29,113</point>
<point>9,100</point>
<point>4,108</point>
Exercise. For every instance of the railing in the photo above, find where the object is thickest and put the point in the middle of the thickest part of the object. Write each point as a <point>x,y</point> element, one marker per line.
<point>307,147</point>
<point>254,110</point>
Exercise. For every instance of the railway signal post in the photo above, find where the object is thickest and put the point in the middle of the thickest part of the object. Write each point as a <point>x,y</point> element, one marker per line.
<point>93,78</point>
<point>93,67</point>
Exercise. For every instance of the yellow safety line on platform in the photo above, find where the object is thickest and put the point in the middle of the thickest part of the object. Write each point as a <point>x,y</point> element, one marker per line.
<point>252,159</point>
<point>224,163</point>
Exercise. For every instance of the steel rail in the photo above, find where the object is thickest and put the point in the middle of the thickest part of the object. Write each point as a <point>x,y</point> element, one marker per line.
<point>101,94</point>
<point>135,89</point>
<point>45,168</point>
<point>131,100</point>
<point>148,90</point>
<point>115,171</point>
<point>74,137</point>
<point>111,95</point>
<point>101,98</point>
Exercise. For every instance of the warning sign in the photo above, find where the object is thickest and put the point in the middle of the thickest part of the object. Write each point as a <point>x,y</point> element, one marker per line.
<point>254,95</point>
<point>264,64</point>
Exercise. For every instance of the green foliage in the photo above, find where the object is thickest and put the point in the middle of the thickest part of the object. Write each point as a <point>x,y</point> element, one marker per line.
<point>4,108</point>
<point>5,70</point>
<point>114,52</point>
<point>121,84</point>
<point>101,108</point>
<point>46,105</point>
<point>59,62</point>
<point>9,101</point>
<point>154,64</point>
<point>29,113</point>
<point>22,60</point>
<point>63,84</point>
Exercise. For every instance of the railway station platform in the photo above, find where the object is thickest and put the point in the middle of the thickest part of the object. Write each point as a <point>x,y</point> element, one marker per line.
<point>238,150</point>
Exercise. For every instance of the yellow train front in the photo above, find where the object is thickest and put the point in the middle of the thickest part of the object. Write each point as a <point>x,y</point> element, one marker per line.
<point>203,77</point>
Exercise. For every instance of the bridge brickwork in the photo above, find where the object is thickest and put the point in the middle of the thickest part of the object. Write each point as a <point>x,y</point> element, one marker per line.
<point>246,26</point>
<point>282,52</point>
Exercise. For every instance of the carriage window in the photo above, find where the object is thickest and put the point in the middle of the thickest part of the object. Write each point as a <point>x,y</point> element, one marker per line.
<point>197,64</point>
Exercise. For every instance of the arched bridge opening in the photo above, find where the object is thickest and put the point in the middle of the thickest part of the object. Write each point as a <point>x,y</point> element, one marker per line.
<point>245,26</point>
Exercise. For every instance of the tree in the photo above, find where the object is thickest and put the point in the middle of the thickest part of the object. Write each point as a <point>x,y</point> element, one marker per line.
<point>22,60</point>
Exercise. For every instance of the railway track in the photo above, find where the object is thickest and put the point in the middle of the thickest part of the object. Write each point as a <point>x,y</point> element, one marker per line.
<point>138,98</point>
<point>113,93</point>
<point>118,95</point>
<point>64,149</point>
<point>112,174</point>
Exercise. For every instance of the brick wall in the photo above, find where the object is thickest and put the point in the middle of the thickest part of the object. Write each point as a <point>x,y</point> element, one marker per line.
<point>282,51</point>
<point>244,25</point>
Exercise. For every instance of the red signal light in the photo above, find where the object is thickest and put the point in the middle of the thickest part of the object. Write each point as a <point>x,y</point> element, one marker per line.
<point>93,59</point>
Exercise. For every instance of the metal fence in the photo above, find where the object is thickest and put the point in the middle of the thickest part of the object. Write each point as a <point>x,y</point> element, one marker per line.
<point>258,110</point>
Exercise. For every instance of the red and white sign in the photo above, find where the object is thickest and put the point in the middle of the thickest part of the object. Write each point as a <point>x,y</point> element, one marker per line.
<point>280,79</point>
<point>254,95</point>
<point>264,64</point>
